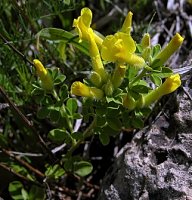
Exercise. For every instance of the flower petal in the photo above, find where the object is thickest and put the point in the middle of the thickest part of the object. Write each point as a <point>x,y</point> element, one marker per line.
<point>82,23</point>
<point>171,84</point>
<point>117,47</point>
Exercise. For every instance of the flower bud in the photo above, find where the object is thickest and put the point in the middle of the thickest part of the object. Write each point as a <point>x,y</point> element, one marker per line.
<point>168,51</point>
<point>126,28</point>
<point>95,79</point>
<point>146,54</point>
<point>46,79</point>
<point>146,41</point>
<point>108,88</point>
<point>118,76</point>
<point>80,89</point>
<point>129,102</point>
<point>169,86</point>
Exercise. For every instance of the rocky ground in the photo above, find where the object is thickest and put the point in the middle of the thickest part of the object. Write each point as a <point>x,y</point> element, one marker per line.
<point>157,164</point>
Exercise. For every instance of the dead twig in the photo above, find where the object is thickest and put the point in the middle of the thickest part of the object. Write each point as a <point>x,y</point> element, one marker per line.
<point>27,123</point>
<point>15,50</point>
<point>24,163</point>
<point>9,169</point>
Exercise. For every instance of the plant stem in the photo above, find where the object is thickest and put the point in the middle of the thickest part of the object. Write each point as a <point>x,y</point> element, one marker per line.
<point>55,95</point>
<point>138,77</point>
<point>69,123</point>
<point>86,134</point>
<point>70,126</point>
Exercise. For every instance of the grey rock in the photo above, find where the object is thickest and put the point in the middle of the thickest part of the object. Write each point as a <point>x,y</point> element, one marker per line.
<point>157,164</point>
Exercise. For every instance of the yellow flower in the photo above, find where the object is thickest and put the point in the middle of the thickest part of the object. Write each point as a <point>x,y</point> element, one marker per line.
<point>146,47</point>
<point>170,85</point>
<point>83,23</point>
<point>96,59</point>
<point>146,41</point>
<point>168,51</point>
<point>118,75</point>
<point>41,71</point>
<point>95,78</point>
<point>80,89</point>
<point>120,48</point>
<point>46,79</point>
<point>126,28</point>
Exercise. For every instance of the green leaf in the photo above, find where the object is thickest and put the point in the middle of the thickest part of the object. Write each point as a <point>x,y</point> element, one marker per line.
<point>38,94</point>
<point>16,189</point>
<point>156,79</point>
<point>24,194</point>
<point>36,193</point>
<point>67,2</point>
<point>156,49</point>
<point>47,100</point>
<point>54,171</point>
<point>83,168</point>
<point>155,64</point>
<point>21,170</point>
<point>59,79</point>
<point>111,99</point>
<point>126,118</point>
<point>62,50</point>
<point>101,110</point>
<point>145,111</point>
<point>77,116</point>
<point>54,72</point>
<point>140,89</point>
<point>68,164</point>
<point>104,138</point>
<point>137,123</point>
<point>101,121</point>
<point>55,115</point>
<point>37,91</point>
<point>56,34</point>
<point>166,72</point>
<point>72,105</point>
<point>107,130</point>
<point>139,48</point>
<point>59,136</point>
<point>134,94</point>
<point>77,135</point>
<point>63,92</point>
<point>114,123</point>
<point>131,73</point>
<point>112,111</point>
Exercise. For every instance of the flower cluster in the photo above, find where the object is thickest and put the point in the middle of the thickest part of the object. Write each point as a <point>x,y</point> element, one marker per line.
<point>122,50</point>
